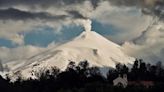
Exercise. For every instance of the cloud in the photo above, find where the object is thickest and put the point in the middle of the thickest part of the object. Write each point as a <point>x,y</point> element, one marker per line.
<point>22,52</point>
<point>149,45</point>
<point>19,16</point>
<point>151,7</point>
<point>18,53</point>
<point>42,3</point>
<point>16,14</point>
<point>76,14</point>
<point>130,22</point>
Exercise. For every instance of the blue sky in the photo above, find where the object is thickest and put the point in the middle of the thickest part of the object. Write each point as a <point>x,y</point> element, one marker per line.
<point>6,43</point>
<point>43,36</point>
<point>118,21</point>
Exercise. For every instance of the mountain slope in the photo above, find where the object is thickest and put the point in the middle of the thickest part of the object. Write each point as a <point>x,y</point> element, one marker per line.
<point>89,45</point>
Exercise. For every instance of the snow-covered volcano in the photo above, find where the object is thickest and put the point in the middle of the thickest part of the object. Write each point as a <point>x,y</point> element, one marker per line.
<point>89,45</point>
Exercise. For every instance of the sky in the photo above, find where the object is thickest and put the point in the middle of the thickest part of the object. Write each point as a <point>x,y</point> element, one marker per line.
<point>29,27</point>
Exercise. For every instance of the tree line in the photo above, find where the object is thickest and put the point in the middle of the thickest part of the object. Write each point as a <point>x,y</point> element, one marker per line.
<point>82,78</point>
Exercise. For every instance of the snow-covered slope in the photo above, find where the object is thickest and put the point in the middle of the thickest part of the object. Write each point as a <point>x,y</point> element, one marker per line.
<point>89,45</point>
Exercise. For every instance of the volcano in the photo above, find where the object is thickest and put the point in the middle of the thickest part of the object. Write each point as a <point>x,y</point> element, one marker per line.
<point>89,45</point>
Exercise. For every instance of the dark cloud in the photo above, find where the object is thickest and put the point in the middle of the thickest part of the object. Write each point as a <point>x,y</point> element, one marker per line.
<point>15,14</point>
<point>95,3</point>
<point>62,3</point>
<point>76,14</point>
<point>156,8</point>
<point>44,3</point>
<point>66,2</point>
<point>126,2</point>
<point>151,7</point>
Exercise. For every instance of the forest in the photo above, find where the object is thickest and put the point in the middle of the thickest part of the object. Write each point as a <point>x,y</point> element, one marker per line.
<point>83,78</point>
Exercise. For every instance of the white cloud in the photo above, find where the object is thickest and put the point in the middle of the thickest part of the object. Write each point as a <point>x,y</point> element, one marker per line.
<point>11,29</point>
<point>148,46</point>
<point>22,52</point>
<point>15,34</point>
<point>128,20</point>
